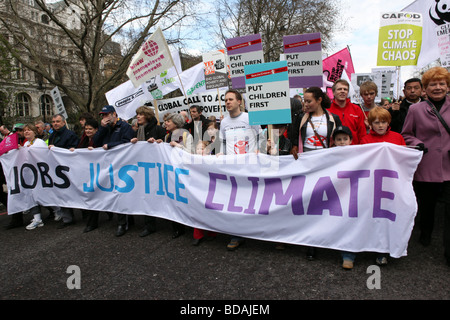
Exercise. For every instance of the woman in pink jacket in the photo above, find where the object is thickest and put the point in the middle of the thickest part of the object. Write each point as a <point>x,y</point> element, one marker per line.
<point>423,128</point>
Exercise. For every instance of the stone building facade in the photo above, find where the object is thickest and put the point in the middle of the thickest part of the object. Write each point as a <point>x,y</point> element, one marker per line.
<point>25,95</point>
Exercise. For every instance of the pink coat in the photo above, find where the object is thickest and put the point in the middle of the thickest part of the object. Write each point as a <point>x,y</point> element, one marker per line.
<point>423,126</point>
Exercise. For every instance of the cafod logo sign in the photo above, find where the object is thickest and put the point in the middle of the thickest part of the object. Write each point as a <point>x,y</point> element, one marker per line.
<point>401,15</point>
<point>400,39</point>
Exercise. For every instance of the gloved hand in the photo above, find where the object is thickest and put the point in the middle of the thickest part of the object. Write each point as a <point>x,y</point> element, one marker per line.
<point>421,147</point>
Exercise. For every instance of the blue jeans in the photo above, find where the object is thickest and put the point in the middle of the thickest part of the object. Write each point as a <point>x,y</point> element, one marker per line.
<point>346,255</point>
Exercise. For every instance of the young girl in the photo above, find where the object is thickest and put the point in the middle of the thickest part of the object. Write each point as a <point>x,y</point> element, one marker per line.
<point>199,234</point>
<point>212,134</point>
<point>317,124</point>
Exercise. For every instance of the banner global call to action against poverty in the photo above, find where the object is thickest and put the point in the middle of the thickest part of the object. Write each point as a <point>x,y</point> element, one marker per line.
<point>354,198</point>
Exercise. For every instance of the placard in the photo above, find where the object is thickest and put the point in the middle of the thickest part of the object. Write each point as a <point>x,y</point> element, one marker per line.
<point>243,51</point>
<point>400,39</point>
<point>267,90</point>
<point>216,69</point>
<point>304,56</point>
<point>443,36</point>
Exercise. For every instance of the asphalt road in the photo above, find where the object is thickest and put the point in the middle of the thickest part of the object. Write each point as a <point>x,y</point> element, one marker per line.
<point>36,266</point>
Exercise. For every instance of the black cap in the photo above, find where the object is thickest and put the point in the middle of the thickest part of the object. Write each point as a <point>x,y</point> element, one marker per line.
<point>342,129</point>
<point>107,109</point>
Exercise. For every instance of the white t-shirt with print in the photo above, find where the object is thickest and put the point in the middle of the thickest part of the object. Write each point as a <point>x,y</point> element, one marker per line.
<point>320,124</point>
<point>238,136</point>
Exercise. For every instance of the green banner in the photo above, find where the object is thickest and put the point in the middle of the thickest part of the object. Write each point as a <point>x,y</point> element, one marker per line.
<point>400,39</point>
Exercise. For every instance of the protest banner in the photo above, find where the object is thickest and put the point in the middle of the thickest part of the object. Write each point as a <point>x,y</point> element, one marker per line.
<point>391,82</point>
<point>126,98</point>
<point>434,13</point>
<point>153,58</point>
<point>167,81</point>
<point>334,66</point>
<point>243,51</point>
<point>399,39</point>
<point>9,143</point>
<point>216,69</point>
<point>267,90</point>
<point>304,56</point>
<point>322,199</point>
<point>57,100</point>
<point>443,41</point>
<point>212,103</point>
<point>193,79</point>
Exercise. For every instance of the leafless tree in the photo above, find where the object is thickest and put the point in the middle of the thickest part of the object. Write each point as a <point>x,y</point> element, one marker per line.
<point>86,46</point>
<point>274,19</point>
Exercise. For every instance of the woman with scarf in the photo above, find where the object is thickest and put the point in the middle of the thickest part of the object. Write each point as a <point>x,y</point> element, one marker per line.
<point>180,138</point>
<point>147,128</point>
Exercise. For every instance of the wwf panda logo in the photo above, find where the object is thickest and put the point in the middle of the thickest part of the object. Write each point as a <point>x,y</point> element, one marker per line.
<point>440,13</point>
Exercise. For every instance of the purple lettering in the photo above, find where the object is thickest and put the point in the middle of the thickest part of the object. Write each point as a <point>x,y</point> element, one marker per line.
<point>317,204</point>
<point>231,206</point>
<point>354,177</point>
<point>274,187</point>
<point>251,204</point>
<point>380,194</point>
<point>209,204</point>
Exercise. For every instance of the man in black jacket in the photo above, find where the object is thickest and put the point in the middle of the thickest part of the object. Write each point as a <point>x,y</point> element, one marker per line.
<point>147,128</point>
<point>112,132</point>
<point>413,94</point>
<point>62,137</point>
<point>198,124</point>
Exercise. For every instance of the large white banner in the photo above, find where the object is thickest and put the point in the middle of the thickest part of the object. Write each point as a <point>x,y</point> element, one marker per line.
<point>434,13</point>
<point>355,198</point>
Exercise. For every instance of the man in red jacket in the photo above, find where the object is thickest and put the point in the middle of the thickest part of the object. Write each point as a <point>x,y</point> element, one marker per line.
<point>350,114</point>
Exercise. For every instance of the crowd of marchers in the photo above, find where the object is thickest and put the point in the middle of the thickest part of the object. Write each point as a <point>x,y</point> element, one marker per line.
<point>420,120</point>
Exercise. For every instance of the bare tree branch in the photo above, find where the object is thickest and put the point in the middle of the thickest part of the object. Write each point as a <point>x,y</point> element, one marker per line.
<point>274,19</point>
<point>79,37</point>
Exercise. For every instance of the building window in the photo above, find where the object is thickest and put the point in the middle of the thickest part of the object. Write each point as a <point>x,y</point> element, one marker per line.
<point>59,75</point>
<point>45,105</point>
<point>45,19</point>
<point>20,71</point>
<point>23,104</point>
<point>3,103</point>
